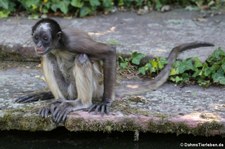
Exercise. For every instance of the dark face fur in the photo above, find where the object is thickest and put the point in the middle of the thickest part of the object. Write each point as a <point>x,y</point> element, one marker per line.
<point>45,34</point>
<point>42,38</point>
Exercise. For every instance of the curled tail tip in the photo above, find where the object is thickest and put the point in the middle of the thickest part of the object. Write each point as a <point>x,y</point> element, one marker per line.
<point>208,44</point>
<point>202,43</point>
<point>192,45</point>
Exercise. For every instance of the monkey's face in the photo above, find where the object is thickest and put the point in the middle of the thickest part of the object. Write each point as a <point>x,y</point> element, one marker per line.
<point>42,38</point>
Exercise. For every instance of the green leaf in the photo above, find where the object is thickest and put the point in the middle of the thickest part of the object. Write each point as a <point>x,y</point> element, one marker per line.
<point>142,70</point>
<point>158,5</point>
<point>176,79</point>
<point>107,3</point>
<point>77,3</point>
<point>207,71</point>
<point>136,58</point>
<point>4,14</point>
<point>30,4</point>
<point>185,65</point>
<point>148,66</point>
<point>189,64</point>
<point>154,64</point>
<point>63,6</point>
<point>197,62</point>
<point>84,11</point>
<point>173,71</point>
<point>4,4</point>
<point>94,3</point>
<point>219,78</point>
<point>124,65</point>
<point>216,56</point>
<point>161,62</point>
<point>197,73</point>
<point>223,67</point>
<point>185,77</point>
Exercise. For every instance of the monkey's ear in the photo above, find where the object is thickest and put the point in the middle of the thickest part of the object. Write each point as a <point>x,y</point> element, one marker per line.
<point>59,35</point>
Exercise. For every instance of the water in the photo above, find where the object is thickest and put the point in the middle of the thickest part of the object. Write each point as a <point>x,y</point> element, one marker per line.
<point>63,139</point>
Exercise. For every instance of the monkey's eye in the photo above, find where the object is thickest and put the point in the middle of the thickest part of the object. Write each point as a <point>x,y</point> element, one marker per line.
<point>45,37</point>
<point>36,37</point>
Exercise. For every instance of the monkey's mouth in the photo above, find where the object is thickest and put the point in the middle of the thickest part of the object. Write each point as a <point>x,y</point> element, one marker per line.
<point>41,50</point>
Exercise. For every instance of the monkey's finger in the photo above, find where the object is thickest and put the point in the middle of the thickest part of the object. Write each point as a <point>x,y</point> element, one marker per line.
<point>92,108</point>
<point>107,110</point>
<point>102,110</point>
<point>18,100</point>
<point>56,111</point>
<point>63,108</point>
<point>47,111</point>
<point>52,108</point>
<point>32,99</point>
<point>42,112</point>
<point>65,115</point>
<point>61,114</point>
<point>97,109</point>
<point>26,99</point>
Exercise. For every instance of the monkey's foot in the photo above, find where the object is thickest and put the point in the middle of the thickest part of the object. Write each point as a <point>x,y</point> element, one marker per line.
<point>60,111</point>
<point>45,111</point>
<point>35,97</point>
<point>102,108</point>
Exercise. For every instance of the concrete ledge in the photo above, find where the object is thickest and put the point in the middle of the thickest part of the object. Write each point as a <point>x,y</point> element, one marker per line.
<point>170,109</point>
<point>17,52</point>
<point>83,121</point>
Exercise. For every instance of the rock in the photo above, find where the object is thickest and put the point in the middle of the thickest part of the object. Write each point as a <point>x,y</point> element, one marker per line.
<point>165,8</point>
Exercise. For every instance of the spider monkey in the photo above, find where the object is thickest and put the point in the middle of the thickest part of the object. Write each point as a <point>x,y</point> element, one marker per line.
<point>71,63</point>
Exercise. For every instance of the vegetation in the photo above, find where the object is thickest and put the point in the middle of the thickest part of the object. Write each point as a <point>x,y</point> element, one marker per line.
<point>83,8</point>
<point>188,71</point>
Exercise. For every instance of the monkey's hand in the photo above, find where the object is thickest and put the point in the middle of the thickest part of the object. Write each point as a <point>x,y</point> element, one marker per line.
<point>102,108</point>
<point>34,97</point>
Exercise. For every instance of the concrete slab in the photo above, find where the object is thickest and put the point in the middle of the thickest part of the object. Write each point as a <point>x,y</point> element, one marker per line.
<point>170,109</point>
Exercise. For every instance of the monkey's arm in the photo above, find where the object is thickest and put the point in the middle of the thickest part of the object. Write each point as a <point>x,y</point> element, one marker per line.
<point>109,68</point>
<point>82,43</point>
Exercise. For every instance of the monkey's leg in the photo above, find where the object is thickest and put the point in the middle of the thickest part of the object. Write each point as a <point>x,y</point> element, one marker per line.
<point>35,97</point>
<point>56,83</point>
<point>83,73</point>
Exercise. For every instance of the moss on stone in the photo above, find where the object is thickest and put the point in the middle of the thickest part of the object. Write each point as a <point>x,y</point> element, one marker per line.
<point>124,106</point>
<point>24,119</point>
<point>10,56</point>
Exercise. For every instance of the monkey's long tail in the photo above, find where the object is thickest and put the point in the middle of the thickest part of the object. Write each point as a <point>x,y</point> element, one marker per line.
<point>135,88</point>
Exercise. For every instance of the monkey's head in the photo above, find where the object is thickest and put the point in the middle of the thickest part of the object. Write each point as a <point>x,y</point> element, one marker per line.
<point>46,34</point>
